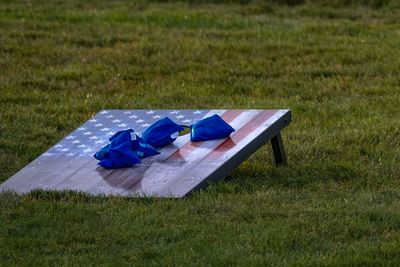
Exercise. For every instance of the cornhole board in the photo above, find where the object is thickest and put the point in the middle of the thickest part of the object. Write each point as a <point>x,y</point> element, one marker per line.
<point>180,169</point>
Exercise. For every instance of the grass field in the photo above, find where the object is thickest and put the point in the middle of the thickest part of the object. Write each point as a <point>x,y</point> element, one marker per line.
<point>335,64</point>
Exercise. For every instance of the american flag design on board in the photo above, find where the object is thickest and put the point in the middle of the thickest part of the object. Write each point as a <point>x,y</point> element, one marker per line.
<point>180,169</point>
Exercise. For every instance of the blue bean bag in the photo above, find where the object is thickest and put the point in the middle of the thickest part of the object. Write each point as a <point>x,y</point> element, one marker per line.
<point>210,128</point>
<point>161,133</point>
<point>125,150</point>
<point>142,149</point>
<point>119,153</point>
<point>103,153</point>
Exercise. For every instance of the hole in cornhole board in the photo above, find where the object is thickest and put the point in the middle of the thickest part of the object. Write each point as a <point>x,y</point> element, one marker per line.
<point>180,169</point>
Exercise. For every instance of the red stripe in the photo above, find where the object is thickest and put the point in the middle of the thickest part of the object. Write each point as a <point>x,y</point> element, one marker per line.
<point>189,147</point>
<point>241,134</point>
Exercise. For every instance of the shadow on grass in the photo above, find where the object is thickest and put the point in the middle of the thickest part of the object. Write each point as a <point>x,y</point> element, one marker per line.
<point>249,179</point>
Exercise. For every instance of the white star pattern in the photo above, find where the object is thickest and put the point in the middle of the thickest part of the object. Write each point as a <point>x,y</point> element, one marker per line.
<point>94,134</point>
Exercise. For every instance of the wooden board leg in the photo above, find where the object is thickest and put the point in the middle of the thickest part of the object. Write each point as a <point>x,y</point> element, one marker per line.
<point>279,151</point>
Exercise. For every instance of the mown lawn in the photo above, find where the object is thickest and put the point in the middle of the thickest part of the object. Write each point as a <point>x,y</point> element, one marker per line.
<point>335,64</point>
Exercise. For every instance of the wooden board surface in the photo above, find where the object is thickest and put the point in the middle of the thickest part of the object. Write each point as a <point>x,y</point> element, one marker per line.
<point>181,168</point>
